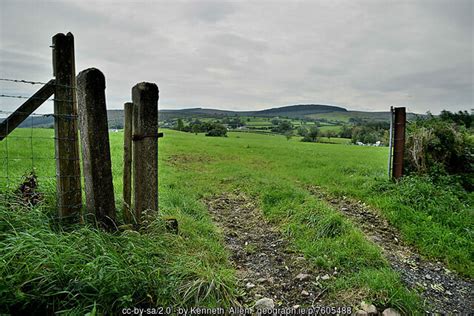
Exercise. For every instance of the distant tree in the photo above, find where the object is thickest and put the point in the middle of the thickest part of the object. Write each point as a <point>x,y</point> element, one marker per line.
<point>235,122</point>
<point>302,131</point>
<point>289,134</point>
<point>365,135</point>
<point>195,129</point>
<point>283,127</point>
<point>461,118</point>
<point>331,133</point>
<point>216,129</point>
<point>275,121</point>
<point>346,131</point>
<point>312,135</point>
<point>355,120</point>
<point>180,126</point>
<point>370,132</point>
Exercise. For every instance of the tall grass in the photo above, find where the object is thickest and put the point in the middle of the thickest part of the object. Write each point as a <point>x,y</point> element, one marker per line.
<point>45,268</point>
<point>437,216</point>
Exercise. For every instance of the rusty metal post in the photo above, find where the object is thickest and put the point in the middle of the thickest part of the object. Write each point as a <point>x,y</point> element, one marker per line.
<point>399,143</point>
<point>390,144</point>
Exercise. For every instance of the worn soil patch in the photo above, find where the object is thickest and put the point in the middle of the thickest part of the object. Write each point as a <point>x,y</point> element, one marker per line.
<point>184,161</point>
<point>443,290</point>
<point>265,265</point>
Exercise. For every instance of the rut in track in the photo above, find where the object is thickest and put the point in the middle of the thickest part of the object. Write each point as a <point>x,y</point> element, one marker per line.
<point>265,266</point>
<point>443,290</point>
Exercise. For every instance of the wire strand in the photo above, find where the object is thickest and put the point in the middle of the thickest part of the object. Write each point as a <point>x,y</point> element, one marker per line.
<point>17,154</point>
<point>35,98</point>
<point>35,82</point>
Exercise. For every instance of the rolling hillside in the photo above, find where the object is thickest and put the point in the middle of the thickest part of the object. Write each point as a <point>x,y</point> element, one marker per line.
<point>335,114</point>
<point>291,111</point>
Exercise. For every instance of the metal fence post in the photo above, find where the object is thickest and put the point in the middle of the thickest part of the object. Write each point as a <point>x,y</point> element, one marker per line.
<point>399,142</point>
<point>390,144</point>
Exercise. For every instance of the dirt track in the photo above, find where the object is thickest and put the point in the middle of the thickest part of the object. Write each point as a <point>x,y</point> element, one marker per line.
<point>443,290</point>
<point>265,266</point>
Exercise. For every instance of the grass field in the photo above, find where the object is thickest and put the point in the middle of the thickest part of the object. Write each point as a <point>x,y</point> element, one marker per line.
<point>264,124</point>
<point>193,267</point>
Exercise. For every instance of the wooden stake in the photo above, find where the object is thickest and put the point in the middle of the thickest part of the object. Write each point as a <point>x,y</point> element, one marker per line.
<point>30,105</point>
<point>145,147</point>
<point>127,162</point>
<point>95,146</point>
<point>68,173</point>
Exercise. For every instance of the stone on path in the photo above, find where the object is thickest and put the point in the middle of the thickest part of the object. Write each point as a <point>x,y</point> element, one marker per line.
<point>325,277</point>
<point>390,312</point>
<point>369,308</point>
<point>302,276</point>
<point>264,303</point>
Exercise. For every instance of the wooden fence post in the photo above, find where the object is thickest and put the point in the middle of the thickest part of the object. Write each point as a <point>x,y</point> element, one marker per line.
<point>145,147</point>
<point>68,173</point>
<point>16,118</point>
<point>399,142</point>
<point>95,146</point>
<point>127,162</point>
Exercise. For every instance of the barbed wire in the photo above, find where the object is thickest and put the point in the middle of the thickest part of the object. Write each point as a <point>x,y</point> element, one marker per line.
<point>35,82</point>
<point>35,98</point>
<point>23,81</point>
<point>39,114</point>
<point>13,165</point>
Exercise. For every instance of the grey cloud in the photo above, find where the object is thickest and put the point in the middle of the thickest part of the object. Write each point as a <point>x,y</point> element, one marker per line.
<point>247,55</point>
<point>457,78</point>
<point>208,11</point>
<point>234,41</point>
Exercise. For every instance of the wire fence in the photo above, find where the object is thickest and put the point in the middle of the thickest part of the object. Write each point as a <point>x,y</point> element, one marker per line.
<point>28,168</point>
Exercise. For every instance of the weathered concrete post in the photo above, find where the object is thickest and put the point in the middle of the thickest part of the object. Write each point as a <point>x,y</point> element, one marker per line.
<point>95,146</point>
<point>68,172</point>
<point>127,162</point>
<point>145,147</point>
<point>399,142</point>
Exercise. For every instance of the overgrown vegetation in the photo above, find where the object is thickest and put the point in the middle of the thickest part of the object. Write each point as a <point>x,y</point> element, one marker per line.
<point>436,215</point>
<point>73,270</point>
<point>440,146</point>
<point>44,267</point>
<point>370,132</point>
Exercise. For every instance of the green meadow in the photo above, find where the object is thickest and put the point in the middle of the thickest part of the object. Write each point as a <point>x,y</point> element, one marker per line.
<point>84,269</point>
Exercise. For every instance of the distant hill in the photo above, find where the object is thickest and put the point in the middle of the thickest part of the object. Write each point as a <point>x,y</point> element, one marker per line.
<point>299,111</point>
<point>291,111</point>
<point>344,117</point>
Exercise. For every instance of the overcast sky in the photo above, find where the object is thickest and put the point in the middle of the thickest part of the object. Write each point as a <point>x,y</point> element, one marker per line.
<point>246,55</point>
